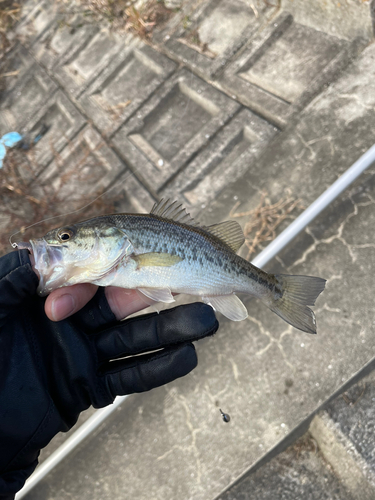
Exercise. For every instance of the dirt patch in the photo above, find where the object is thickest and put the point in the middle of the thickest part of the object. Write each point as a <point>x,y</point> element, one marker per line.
<point>138,17</point>
<point>10,12</point>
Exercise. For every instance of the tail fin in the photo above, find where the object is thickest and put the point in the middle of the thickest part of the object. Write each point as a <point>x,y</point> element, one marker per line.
<point>297,292</point>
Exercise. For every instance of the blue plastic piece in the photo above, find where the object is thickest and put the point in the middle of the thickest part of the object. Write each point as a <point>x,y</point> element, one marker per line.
<point>9,140</point>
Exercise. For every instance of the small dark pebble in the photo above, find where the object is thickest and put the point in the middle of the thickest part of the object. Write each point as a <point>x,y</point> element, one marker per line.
<point>225,416</point>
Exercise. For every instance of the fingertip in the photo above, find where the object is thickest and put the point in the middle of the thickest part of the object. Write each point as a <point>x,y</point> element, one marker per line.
<point>63,306</point>
<point>64,302</point>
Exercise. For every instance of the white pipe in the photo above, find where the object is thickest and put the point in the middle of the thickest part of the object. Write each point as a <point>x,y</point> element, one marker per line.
<point>260,260</point>
<point>70,444</point>
<point>315,208</point>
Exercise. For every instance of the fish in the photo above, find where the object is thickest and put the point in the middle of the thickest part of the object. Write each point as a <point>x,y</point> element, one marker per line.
<point>167,252</point>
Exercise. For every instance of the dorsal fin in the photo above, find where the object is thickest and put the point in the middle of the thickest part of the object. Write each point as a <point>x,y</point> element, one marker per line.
<point>173,211</point>
<point>229,232</point>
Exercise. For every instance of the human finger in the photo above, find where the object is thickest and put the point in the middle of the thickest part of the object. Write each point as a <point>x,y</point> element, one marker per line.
<point>64,302</point>
<point>124,302</point>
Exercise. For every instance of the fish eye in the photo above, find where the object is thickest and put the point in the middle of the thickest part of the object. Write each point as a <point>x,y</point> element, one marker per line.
<point>65,234</point>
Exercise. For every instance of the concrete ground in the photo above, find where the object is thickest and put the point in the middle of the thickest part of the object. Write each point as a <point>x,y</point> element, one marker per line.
<point>231,99</point>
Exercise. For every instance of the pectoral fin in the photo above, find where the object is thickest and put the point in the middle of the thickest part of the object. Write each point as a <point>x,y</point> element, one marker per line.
<point>156,259</point>
<point>229,305</point>
<point>158,294</point>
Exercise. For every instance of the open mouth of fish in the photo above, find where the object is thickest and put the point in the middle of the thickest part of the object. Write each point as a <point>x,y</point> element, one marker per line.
<point>48,262</point>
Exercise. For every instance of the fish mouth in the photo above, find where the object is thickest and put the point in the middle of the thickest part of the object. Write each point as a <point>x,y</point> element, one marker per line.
<point>24,245</point>
<point>48,262</point>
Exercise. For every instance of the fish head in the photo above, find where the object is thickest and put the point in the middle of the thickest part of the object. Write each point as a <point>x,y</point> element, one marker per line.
<point>80,253</point>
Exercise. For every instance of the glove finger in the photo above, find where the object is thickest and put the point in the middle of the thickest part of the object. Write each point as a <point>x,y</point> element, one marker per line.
<point>95,315</point>
<point>106,306</point>
<point>156,330</point>
<point>146,372</point>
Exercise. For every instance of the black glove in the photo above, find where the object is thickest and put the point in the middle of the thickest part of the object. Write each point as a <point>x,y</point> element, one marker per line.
<point>50,372</point>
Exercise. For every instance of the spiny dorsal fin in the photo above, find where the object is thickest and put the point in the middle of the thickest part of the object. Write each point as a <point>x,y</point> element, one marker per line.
<point>229,232</point>
<point>173,211</point>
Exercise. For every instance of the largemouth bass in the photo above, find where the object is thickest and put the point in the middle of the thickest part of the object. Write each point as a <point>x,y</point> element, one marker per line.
<point>167,252</point>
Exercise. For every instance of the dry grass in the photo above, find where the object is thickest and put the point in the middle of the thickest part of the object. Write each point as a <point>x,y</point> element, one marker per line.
<point>140,18</point>
<point>25,201</point>
<point>265,218</point>
<point>10,11</point>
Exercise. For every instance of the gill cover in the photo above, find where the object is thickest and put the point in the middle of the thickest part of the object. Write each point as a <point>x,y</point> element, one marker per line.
<point>79,262</point>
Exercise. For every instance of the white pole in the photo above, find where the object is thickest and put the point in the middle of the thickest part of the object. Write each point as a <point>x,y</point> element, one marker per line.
<point>72,442</point>
<point>315,208</point>
<point>260,260</point>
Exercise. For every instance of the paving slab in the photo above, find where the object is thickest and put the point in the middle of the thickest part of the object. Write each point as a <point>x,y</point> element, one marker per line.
<point>216,30</point>
<point>61,121</point>
<point>70,35</point>
<point>36,17</point>
<point>349,19</point>
<point>124,85</point>
<point>284,67</point>
<point>300,472</point>
<point>349,421</point>
<point>131,195</point>
<point>27,97</point>
<point>270,378</point>
<point>229,154</point>
<point>16,63</point>
<point>86,166</point>
<point>179,119</point>
<point>83,62</point>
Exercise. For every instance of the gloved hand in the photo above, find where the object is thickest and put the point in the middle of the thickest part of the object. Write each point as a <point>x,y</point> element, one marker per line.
<point>51,371</point>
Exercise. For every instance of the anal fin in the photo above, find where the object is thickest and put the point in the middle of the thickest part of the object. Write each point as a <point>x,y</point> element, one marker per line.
<point>158,294</point>
<point>229,305</point>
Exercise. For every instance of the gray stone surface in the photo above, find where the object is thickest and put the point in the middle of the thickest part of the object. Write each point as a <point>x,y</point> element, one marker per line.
<point>300,472</point>
<point>207,39</point>
<point>69,35</point>
<point>83,62</point>
<point>283,68</point>
<point>63,122</point>
<point>122,87</point>
<point>348,19</point>
<point>15,64</point>
<point>339,453</point>
<point>172,127</point>
<point>270,378</point>
<point>233,151</point>
<point>27,97</point>
<point>87,162</point>
<point>131,194</point>
<point>36,17</point>
<point>352,416</point>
